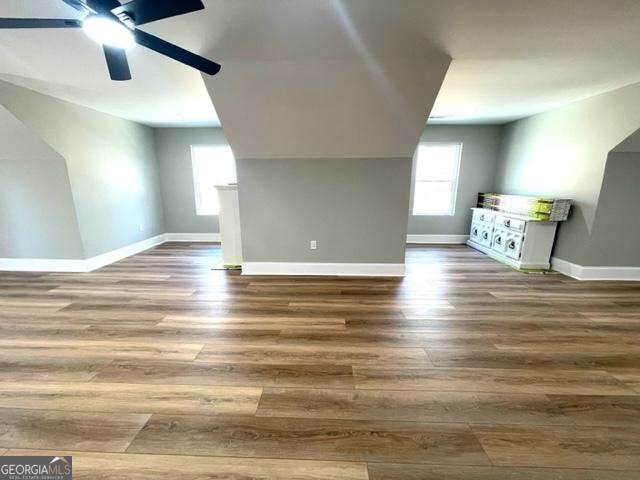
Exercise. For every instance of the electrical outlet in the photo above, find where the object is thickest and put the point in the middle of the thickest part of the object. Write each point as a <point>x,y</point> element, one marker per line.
<point>141,227</point>
<point>313,245</point>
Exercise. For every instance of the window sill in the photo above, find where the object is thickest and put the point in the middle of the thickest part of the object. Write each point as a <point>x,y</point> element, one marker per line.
<point>433,214</point>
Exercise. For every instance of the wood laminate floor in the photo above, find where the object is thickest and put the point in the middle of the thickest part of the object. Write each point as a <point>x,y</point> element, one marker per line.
<point>157,367</point>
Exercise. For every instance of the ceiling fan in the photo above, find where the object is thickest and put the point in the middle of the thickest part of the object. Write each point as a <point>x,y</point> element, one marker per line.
<point>113,25</point>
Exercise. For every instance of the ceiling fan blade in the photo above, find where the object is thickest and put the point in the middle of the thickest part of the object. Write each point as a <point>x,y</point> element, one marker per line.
<point>177,53</point>
<point>79,5</point>
<point>102,6</point>
<point>117,63</point>
<point>39,23</point>
<point>146,11</point>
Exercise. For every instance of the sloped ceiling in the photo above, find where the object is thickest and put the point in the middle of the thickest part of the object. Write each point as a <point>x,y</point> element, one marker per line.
<point>325,79</point>
<point>323,108</point>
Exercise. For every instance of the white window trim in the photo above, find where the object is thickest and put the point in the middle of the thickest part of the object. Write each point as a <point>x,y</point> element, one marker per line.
<point>455,186</point>
<point>196,183</point>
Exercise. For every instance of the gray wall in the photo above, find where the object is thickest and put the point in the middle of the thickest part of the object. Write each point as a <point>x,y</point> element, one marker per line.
<point>477,174</point>
<point>356,209</point>
<point>629,144</point>
<point>111,164</point>
<point>37,215</point>
<point>615,239</point>
<point>562,153</point>
<point>173,147</point>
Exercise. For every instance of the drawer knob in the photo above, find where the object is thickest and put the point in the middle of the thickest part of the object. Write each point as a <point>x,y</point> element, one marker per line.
<point>507,223</point>
<point>482,217</point>
<point>485,235</point>
<point>511,245</point>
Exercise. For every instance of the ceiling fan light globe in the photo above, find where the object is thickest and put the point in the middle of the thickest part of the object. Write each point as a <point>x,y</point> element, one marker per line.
<point>107,31</point>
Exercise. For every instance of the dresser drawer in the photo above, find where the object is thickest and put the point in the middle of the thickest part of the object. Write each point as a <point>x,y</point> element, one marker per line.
<point>484,216</point>
<point>499,240</point>
<point>486,234</point>
<point>514,224</point>
<point>474,233</point>
<point>513,245</point>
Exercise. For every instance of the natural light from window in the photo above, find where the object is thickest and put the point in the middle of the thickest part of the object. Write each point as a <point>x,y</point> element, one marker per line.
<point>436,180</point>
<point>212,165</point>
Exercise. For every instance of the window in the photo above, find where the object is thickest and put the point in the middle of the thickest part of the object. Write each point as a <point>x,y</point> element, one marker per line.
<point>212,165</point>
<point>436,182</point>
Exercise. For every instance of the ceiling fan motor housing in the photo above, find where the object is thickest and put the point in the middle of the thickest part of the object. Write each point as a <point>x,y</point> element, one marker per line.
<point>127,18</point>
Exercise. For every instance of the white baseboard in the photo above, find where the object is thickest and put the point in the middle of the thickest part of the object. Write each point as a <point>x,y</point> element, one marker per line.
<point>437,239</point>
<point>103,259</point>
<point>341,269</point>
<point>42,265</point>
<point>79,265</point>
<point>192,237</point>
<point>93,263</point>
<point>580,272</point>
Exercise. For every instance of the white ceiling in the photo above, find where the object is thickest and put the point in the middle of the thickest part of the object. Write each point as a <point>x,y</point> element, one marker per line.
<point>511,58</point>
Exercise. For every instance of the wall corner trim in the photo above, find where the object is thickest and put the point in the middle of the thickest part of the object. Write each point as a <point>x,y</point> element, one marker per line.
<point>332,269</point>
<point>437,239</point>
<point>585,273</point>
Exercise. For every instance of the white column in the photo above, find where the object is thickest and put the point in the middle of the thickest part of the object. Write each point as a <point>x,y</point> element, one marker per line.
<point>230,225</point>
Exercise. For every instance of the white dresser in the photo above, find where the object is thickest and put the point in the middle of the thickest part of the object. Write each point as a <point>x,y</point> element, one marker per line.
<point>521,242</point>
